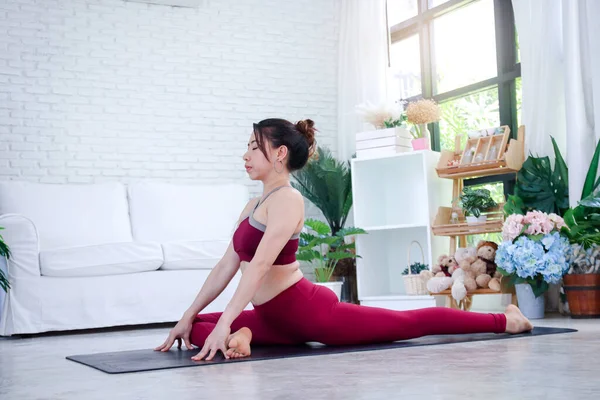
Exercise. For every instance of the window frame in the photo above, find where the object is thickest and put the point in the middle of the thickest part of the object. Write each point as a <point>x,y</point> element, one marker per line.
<point>506,60</point>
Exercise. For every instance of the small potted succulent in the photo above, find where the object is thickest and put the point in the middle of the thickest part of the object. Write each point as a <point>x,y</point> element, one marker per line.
<point>474,202</point>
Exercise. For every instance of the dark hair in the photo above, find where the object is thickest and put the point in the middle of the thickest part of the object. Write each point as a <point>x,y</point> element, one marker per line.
<point>299,138</point>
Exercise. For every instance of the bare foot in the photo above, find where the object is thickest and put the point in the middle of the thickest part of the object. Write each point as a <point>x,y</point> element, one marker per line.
<point>516,321</point>
<point>238,344</point>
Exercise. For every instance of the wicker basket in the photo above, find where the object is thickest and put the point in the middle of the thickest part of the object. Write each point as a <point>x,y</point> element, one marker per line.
<point>414,283</point>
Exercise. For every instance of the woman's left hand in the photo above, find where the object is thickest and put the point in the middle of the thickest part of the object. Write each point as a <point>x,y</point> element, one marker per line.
<point>216,341</point>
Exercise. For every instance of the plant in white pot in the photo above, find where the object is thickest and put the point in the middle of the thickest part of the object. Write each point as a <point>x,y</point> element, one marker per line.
<point>324,250</point>
<point>474,202</point>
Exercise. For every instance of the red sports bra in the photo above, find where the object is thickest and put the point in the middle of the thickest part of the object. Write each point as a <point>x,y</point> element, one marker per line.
<point>249,234</point>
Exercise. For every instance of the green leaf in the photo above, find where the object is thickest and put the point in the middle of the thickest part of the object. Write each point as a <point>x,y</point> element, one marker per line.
<point>349,231</point>
<point>345,247</point>
<point>4,250</point>
<point>590,178</point>
<point>561,171</point>
<point>514,205</point>
<point>592,200</point>
<point>319,227</point>
<point>540,188</point>
<point>340,255</point>
<point>539,287</point>
<point>4,283</point>
<point>306,238</point>
<point>559,163</point>
<point>323,274</point>
<point>536,238</point>
<point>327,183</point>
<point>308,255</point>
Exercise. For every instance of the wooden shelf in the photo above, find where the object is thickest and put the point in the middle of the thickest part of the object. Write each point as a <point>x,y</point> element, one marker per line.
<point>509,161</point>
<point>448,292</point>
<point>489,169</point>
<point>391,227</point>
<point>443,227</point>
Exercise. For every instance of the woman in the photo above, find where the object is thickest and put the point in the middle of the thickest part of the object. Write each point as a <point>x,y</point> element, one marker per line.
<point>287,308</point>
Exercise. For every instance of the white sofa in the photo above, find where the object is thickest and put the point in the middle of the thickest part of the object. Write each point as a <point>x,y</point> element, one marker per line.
<point>108,254</point>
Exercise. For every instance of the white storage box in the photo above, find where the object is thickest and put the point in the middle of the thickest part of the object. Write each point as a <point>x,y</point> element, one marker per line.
<point>382,142</point>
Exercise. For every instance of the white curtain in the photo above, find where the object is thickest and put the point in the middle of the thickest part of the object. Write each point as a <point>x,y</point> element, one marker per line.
<point>362,65</point>
<point>560,60</point>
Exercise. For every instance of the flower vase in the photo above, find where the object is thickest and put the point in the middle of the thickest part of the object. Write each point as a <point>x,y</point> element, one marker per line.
<point>422,142</point>
<point>530,306</point>
<point>335,286</point>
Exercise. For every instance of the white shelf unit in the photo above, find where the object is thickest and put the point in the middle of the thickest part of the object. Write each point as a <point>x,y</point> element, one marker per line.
<point>395,199</point>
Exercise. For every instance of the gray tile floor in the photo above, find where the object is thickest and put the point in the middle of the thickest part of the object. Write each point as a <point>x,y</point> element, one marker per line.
<point>554,366</point>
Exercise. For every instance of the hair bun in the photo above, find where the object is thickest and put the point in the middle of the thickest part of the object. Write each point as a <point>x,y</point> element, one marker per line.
<point>307,128</point>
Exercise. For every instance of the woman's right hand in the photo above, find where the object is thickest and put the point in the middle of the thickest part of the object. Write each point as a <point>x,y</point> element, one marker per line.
<point>181,331</point>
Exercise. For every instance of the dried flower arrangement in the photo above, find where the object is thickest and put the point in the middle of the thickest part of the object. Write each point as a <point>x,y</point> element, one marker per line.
<point>422,112</point>
<point>381,116</point>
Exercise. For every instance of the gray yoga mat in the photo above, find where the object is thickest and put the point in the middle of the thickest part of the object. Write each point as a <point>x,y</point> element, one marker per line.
<point>149,360</point>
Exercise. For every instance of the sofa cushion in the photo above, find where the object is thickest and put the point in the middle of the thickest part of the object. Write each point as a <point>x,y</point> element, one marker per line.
<point>70,215</point>
<point>168,212</point>
<point>193,255</point>
<point>106,259</point>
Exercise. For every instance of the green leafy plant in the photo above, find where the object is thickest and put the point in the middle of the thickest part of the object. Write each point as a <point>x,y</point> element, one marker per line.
<point>4,252</point>
<point>324,249</point>
<point>415,268</point>
<point>392,123</point>
<point>476,201</point>
<point>583,221</point>
<point>539,187</point>
<point>327,183</point>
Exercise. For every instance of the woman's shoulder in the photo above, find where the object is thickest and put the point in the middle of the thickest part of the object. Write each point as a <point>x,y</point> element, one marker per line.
<point>288,194</point>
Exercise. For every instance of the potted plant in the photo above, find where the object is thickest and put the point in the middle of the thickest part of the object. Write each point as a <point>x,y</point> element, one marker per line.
<point>415,268</point>
<point>324,250</point>
<point>582,281</point>
<point>4,252</point>
<point>326,182</point>
<point>474,202</point>
<point>420,113</point>
<point>532,255</point>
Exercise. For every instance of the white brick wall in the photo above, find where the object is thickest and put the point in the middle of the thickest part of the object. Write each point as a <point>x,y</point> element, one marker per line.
<point>96,90</point>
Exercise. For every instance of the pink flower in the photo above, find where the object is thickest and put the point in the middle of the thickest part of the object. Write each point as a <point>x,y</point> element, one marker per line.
<point>559,222</point>
<point>512,227</point>
<point>539,223</point>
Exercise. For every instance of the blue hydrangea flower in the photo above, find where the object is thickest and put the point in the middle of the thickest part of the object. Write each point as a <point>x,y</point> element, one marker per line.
<point>545,259</point>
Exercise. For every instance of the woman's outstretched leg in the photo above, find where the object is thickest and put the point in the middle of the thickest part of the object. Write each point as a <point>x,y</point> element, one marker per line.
<point>347,324</point>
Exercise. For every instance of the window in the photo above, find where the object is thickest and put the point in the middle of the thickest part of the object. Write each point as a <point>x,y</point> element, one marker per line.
<point>463,46</point>
<point>464,55</point>
<point>405,60</point>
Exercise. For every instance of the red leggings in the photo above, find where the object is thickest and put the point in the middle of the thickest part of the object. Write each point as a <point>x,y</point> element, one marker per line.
<point>306,312</point>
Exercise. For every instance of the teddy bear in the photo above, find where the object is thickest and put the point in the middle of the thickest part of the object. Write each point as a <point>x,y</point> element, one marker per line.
<point>440,277</point>
<point>444,268</point>
<point>463,254</point>
<point>485,268</point>
<point>465,257</point>
<point>475,265</point>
